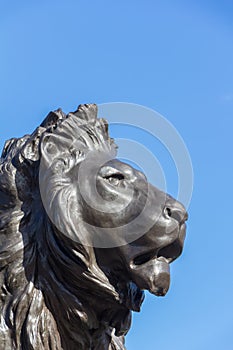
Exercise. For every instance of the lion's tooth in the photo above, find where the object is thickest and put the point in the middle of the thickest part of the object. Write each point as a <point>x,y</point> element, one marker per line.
<point>162,258</point>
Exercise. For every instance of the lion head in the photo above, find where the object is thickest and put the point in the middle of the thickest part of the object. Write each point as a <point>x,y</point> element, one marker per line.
<point>82,234</point>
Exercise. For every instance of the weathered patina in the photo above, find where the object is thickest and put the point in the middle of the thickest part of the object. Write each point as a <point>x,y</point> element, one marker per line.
<point>82,234</point>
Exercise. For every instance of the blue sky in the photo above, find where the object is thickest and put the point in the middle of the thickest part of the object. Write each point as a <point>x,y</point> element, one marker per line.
<point>175,57</point>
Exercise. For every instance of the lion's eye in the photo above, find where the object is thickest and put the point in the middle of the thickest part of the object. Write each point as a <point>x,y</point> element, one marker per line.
<point>115,179</point>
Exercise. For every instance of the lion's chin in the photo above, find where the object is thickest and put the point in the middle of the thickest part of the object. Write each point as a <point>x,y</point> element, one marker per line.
<point>153,275</point>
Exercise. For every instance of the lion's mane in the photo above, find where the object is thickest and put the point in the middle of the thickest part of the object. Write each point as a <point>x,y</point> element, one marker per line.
<point>50,285</point>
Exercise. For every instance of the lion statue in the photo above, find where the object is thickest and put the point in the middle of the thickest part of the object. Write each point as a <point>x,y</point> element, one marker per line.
<point>82,235</point>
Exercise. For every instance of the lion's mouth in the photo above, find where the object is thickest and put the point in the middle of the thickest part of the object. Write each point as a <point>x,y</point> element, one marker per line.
<point>151,270</point>
<point>169,252</point>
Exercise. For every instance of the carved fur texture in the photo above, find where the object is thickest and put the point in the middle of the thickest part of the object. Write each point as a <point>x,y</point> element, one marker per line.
<point>57,290</point>
<point>49,283</point>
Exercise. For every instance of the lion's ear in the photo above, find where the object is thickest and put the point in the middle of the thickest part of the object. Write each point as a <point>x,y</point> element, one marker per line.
<point>87,112</point>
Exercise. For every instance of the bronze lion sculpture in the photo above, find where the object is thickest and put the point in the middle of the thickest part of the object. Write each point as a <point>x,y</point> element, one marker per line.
<point>82,234</point>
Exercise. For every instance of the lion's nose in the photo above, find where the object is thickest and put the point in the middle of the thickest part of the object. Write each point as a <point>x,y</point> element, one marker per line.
<point>175,210</point>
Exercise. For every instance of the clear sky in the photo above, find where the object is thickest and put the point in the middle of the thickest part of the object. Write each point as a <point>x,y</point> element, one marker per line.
<point>175,57</point>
